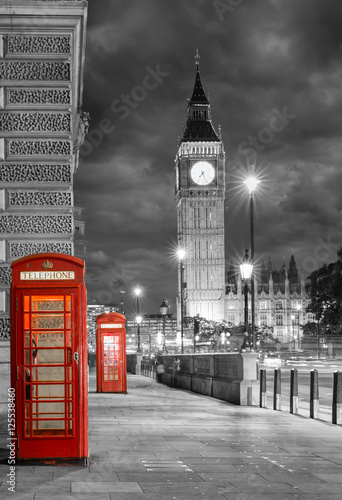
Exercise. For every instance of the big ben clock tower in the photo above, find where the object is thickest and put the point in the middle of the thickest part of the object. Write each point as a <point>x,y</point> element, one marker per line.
<point>200,193</point>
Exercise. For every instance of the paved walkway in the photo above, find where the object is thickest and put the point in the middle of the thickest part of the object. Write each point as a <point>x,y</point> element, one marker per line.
<point>160,443</point>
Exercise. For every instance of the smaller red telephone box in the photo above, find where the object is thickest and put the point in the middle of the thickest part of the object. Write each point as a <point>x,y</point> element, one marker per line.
<point>49,358</point>
<point>111,353</point>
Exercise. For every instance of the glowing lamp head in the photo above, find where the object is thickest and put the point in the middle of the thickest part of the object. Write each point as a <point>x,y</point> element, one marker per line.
<point>251,183</point>
<point>137,291</point>
<point>181,253</point>
<point>246,267</point>
<point>164,308</point>
<point>138,319</point>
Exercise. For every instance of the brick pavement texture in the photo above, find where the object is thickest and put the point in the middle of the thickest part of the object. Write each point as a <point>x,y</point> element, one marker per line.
<point>160,443</point>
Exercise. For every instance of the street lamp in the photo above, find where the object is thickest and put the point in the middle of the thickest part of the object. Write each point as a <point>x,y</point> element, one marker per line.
<point>293,317</point>
<point>137,292</point>
<point>163,311</point>
<point>252,183</point>
<point>138,320</point>
<point>181,254</point>
<point>246,269</point>
<point>298,307</point>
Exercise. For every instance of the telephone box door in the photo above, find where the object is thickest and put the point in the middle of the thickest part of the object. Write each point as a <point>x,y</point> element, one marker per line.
<point>48,383</point>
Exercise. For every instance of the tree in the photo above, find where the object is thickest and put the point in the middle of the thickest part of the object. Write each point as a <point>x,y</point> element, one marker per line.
<point>325,291</point>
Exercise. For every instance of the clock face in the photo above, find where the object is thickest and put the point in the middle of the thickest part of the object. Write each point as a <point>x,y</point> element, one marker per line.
<point>202,173</point>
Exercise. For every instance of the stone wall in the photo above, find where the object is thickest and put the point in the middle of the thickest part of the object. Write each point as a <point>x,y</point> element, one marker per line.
<point>42,49</point>
<point>231,376</point>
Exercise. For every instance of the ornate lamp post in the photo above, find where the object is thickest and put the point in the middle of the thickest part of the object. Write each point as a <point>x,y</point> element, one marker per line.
<point>138,320</point>
<point>137,293</point>
<point>293,317</point>
<point>299,307</point>
<point>252,183</point>
<point>181,254</point>
<point>163,311</point>
<point>246,269</point>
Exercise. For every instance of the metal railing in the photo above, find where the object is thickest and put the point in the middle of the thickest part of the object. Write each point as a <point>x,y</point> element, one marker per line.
<point>148,368</point>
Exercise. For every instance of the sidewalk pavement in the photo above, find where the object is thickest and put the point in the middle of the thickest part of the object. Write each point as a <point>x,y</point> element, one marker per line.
<point>161,443</point>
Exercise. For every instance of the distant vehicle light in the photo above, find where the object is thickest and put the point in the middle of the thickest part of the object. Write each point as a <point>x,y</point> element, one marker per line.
<point>272,360</point>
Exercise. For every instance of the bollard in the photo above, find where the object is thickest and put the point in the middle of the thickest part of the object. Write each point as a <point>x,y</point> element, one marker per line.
<point>263,396</point>
<point>277,390</point>
<point>314,394</point>
<point>294,391</point>
<point>337,398</point>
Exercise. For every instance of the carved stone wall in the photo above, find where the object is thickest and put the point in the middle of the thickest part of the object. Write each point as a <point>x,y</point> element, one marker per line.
<point>46,70</point>
<point>37,148</point>
<point>35,122</point>
<point>36,224</point>
<point>42,55</point>
<point>38,97</point>
<point>37,172</point>
<point>40,198</point>
<point>18,250</point>
<point>4,328</point>
<point>5,275</point>
<point>17,44</point>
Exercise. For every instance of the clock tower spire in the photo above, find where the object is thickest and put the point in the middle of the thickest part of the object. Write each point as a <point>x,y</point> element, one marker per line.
<point>200,193</point>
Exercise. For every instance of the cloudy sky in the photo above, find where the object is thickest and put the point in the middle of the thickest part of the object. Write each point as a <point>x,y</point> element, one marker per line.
<point>273,72</point>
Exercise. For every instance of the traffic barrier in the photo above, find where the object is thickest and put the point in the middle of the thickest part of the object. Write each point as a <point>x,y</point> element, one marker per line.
<point>277,389</point>
<point>294,391</point>
<point>314,394</point>
<point>337,398</point>
<point>263,394</point>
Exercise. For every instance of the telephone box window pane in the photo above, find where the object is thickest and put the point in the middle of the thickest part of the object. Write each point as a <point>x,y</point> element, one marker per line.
<point>50,339</point>
<point>50,356</point>
<point>47,374</point>
<point>68,338</point>
<point>26,303</point>
<point>27,338</point>
<point>27,427</point>
<point>27,357</point>
<point>69,406</point>
<point>53,392</point>
<point>26,321</point>
<point>50,305</point>
<point>69,391</point>
<point>69,373</point>
<point>47,321</point>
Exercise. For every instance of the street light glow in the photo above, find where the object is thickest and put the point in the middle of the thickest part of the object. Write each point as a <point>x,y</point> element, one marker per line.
<point>251,183</point>
<point>246,267</point>
<point>137,291</point>
<point>181,253</point>
<point>138,319</point>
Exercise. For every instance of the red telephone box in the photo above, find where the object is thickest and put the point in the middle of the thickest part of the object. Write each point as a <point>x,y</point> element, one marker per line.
<point>111,370</point>
<point>49,358</point>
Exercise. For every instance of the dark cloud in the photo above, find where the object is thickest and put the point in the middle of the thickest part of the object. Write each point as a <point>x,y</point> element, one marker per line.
<point>264,55</point>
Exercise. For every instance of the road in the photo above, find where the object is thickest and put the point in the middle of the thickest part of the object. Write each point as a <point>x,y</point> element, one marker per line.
<point>325,381</point>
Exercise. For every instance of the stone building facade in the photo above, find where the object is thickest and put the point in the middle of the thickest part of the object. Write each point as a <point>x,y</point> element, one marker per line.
<point>42,125</point>
<point>280,301</point>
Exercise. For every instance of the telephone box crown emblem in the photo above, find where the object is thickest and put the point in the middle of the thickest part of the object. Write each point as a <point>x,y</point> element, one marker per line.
<point>47,265</point>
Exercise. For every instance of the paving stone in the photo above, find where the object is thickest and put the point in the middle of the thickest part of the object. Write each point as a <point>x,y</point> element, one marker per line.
<point>102,487</point>
<point>235,453</point>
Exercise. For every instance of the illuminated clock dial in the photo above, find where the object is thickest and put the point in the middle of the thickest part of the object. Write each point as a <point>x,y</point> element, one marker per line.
<point>202,173</point>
